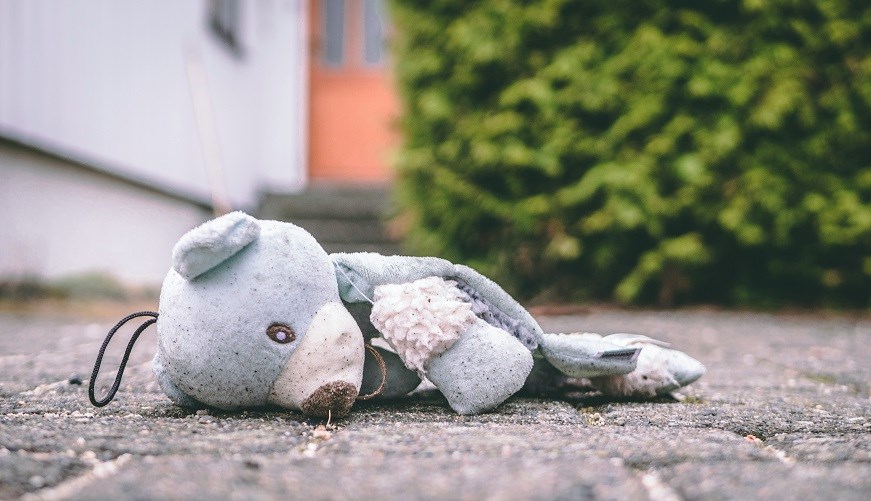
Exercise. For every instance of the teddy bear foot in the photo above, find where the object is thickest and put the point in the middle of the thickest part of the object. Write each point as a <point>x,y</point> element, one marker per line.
<point>481,370</point>
<point>660,369</point>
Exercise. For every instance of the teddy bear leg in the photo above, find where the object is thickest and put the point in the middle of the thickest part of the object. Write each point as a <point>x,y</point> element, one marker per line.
<point>619,365</point>
<point>481,370</point>
<point>172,391</point>
<point>587,355</point>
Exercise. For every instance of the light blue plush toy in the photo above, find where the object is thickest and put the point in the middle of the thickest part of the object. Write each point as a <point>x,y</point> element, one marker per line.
<point>256,313</point>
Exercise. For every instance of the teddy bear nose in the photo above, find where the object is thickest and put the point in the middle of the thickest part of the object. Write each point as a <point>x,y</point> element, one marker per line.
<point>332,399</point>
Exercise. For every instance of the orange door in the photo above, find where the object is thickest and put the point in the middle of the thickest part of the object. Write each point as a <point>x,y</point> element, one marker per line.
<point>353,105</point>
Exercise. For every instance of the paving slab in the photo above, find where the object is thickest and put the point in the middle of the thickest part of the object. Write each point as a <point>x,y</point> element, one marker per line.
<point>784,412</point>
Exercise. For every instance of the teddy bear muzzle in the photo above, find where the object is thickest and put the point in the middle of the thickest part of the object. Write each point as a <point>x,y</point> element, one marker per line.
<point>323,375</point>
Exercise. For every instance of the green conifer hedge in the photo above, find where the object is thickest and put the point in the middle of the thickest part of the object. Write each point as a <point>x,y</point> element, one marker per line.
<point>648,151</point>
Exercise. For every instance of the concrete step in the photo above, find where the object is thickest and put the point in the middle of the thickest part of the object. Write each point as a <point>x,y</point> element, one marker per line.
<point>330,203</point>
<point>343,230</point>
<point>342,219</point>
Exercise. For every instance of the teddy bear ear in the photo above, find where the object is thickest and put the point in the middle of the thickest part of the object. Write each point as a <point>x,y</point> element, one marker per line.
<point>212,242</point>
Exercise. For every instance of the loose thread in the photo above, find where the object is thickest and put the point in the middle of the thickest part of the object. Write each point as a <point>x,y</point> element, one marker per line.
<point>339,267</point>
<point>383,367</point>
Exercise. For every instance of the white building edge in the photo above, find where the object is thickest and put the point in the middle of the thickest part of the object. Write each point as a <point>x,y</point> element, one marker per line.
<point>123,122</point>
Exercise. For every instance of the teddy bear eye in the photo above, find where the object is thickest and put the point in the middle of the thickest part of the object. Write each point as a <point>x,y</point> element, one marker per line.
<point>280,333</point>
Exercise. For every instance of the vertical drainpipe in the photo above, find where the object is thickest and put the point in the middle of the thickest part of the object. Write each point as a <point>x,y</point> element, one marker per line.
<point>304,45</point>
<point>208,133</point>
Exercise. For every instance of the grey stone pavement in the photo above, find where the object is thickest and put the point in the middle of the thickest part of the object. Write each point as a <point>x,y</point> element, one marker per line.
<point>783,413</point>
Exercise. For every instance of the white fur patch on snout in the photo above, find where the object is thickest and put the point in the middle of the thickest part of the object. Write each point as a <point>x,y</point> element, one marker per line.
<point>330,352</point>
<point>421,319</point>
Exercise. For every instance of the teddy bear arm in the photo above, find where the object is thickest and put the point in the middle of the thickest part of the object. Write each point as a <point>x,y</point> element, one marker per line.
<point>495,306</point>
<point>359,273</point>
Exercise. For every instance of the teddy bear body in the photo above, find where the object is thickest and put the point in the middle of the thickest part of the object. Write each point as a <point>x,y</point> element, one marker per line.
<point>256,313</point>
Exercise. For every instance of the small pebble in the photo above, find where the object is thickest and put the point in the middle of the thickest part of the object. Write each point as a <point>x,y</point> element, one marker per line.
<point>322,433</point>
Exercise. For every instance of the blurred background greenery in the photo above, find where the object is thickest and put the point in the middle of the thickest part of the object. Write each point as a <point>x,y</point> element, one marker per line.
<point>645,151</point>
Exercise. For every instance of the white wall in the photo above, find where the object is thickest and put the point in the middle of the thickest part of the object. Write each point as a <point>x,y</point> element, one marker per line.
<point>105,81</point>
<point>57,219</point>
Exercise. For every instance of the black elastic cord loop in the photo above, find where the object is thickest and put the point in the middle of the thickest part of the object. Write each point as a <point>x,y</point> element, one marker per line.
<point>114,389</point>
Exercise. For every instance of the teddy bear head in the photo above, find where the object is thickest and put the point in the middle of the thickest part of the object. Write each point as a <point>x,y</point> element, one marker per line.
<point>250,315</point>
